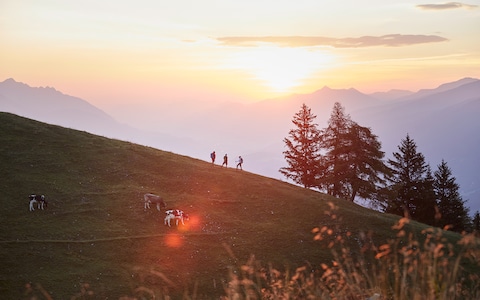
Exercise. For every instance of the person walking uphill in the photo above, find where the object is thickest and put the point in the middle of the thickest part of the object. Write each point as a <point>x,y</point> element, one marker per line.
<point>225,160</point>
<point>212,156</point>
<point>240,162</point>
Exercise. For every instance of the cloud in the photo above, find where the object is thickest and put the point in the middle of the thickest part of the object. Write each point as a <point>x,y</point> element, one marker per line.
<point>390,40</point>
<point>448,5</point>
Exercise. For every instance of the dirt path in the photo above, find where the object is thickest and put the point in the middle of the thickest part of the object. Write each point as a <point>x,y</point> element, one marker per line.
<point>103,239</point>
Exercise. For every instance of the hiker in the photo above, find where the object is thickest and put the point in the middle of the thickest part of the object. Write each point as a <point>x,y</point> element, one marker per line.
<point>212,156</point>
<point>225,160</point>
<point>239,162</point>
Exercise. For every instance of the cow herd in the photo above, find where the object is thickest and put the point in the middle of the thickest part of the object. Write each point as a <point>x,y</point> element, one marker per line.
<point>176,215</point>
<point>37,200</point>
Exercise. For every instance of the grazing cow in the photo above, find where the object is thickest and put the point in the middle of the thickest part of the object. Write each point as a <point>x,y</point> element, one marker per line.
<point>32,200</point>
<point>40,200</point>
<point>151,198</point>
<point>175,214</point>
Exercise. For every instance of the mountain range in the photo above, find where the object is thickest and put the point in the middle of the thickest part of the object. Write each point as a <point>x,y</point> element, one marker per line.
<point>443,122</point>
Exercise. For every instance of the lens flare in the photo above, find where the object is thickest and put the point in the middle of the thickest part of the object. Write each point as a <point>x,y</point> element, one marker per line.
<point>192,224</point>
<point>173,240</point>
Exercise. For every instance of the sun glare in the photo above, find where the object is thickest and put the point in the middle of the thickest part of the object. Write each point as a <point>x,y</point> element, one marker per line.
<point>173,240</point>
<point>281,69</point>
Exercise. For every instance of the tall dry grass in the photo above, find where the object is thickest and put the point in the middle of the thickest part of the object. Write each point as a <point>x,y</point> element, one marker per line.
<point>425,267</point>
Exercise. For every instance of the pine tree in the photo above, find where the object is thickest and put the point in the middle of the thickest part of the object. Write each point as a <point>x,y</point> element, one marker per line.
<point>450,203</point>
<point>352,165</point>
<point>302,154</point>
<point>334,142</point>
<point>367,168</point>
<point>425,205</point>
<point>406,183</point>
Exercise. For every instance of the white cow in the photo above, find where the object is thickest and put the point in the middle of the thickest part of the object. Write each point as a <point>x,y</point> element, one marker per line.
<point>177,215</point>
<point>151,198</point>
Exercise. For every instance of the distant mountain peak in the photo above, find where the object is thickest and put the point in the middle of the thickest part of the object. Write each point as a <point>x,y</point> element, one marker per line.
<point>325,88</point>
<point>13,82</point>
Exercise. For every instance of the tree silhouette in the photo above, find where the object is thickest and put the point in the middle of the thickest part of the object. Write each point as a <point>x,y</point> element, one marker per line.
<point>352,165</point>
<point>334,141</point>
<point>302,154</point>
<point>409,171</point>
<point>425,204</point>
<point>450,203</point>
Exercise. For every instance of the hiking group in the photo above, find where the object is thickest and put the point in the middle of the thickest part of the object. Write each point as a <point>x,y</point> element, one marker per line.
<point>239,161</point>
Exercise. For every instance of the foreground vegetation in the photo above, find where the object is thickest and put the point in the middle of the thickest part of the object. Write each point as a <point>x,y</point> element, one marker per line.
<point>247,236</point>
<point>406,267</point>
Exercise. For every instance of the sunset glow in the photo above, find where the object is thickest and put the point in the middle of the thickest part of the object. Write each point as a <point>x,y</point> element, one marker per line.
<point>280,69</point>
<point>118,54</point>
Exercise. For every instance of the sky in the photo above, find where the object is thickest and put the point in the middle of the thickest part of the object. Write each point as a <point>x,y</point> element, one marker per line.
<point>121,53</point>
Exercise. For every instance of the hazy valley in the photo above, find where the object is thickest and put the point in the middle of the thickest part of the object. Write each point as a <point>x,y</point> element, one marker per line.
<point>443,122</point>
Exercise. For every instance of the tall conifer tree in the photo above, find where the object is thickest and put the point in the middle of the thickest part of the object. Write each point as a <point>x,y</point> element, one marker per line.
<point>367,168</point>
<point>352,165</point>
<point>335,143</point>
<point>450,203</point>
<point>409,171</point>
<point>302,154</point>
<point>425,204</point>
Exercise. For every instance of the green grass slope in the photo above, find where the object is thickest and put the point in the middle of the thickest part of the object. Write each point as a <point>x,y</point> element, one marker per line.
<point>96,231</point>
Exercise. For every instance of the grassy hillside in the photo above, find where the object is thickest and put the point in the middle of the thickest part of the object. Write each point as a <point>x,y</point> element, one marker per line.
<point>96,231</point>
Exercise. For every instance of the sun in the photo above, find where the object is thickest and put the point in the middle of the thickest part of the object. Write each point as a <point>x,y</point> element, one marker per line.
<point>280,68</point>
